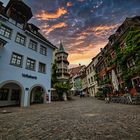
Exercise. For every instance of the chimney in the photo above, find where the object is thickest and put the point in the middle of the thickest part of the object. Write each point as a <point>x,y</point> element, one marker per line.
<point>1,4</point>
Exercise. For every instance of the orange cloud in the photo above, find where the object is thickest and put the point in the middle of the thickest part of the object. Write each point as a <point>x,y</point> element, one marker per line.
<point>80,37</point>
<point>84,55</point>
<point>43,15</point>
<point>69,4</point>
<point>105,27</point>
<point>77,43</point>
<point>103,30</point>
<point>46,29</point>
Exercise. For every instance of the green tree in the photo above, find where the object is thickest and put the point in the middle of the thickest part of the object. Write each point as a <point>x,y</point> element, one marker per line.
<point>54,75</point>
<point>62,87</point>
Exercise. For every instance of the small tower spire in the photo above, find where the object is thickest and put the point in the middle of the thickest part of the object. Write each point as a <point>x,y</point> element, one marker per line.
<point>61,47</point>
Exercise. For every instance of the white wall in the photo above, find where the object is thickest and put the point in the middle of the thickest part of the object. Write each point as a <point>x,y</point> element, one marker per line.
<point>10,72</point>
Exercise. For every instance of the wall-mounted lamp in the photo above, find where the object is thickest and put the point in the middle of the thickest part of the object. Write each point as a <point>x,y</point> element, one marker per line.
<point>26,89</point>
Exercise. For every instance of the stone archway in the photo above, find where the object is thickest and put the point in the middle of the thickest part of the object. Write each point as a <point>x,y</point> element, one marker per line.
<point>37,94</point>
<point>11,93</point>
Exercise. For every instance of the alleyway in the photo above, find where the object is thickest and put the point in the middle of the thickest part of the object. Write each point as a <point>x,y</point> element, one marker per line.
<point>80,119</point>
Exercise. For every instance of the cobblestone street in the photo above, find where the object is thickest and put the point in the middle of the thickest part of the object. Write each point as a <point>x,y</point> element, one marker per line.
<point>79,119</point>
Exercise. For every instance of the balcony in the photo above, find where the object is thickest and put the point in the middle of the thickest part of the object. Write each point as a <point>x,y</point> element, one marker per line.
<point>59,60</point>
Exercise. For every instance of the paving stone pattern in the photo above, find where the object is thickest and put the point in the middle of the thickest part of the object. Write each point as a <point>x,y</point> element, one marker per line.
<point>80,119</point>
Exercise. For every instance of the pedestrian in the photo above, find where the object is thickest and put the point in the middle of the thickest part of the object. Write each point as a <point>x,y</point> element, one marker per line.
<point>106,95</point>
<point>126,90</point>
<point>83,94</point>
<point>128,95</point>
<point>108,98</point>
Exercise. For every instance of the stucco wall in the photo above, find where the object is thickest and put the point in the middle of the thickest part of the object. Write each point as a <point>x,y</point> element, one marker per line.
<point>10,72</point>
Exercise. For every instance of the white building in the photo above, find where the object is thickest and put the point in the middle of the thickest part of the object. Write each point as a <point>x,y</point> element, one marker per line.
<point>25,57</point>
<point>91,77</point>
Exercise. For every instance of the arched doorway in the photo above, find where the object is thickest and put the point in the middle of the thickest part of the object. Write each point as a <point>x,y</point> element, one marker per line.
<point>10,94</point>
<point>37,95</point>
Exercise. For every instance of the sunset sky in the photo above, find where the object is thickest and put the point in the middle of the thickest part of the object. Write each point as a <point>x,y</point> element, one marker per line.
<point>83,25</point>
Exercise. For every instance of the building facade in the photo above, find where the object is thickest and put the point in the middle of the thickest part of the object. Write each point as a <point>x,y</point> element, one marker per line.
<point>91,77</point>
<point>76,78</point>
<point>25,57</point>
<point>84,81</point>
<point>119,65</point>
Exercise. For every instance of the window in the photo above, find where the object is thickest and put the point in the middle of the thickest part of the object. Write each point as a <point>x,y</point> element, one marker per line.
<point>90,69</point>
<point>91,79</point>
<point>87,71</point>
<point>2,43</point>
<point>130,63</point>
<point>30,64</point>
<point>15,94</point>
<point>20,39</point>
<point>33,45</point>
<point>93,67</point>
<point>42,67</point>
<point>118,69</point>
<point>4,94</point>
<point>16,23</point>
<point>113,54</point>
<point>43,50</point>
<point>20,25</point>
<point>12,21</point>
<point>16,59</point>
<point>5,31</point>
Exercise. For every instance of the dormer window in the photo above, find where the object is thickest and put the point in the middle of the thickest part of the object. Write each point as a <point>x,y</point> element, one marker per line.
<point>12,21</point>
<point>20,25</point>
<point>34,32</point>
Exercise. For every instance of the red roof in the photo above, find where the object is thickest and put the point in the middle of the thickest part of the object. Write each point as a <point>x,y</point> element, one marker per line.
<point>74,71</point>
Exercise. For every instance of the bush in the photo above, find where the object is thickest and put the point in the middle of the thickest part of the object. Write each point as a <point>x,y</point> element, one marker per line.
<point>100,95</point>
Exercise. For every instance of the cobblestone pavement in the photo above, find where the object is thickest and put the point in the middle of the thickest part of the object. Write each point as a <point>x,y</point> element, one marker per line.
<point>80,119</point>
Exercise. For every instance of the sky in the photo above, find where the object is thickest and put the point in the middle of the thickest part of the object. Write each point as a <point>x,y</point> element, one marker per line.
<point>84,26</point>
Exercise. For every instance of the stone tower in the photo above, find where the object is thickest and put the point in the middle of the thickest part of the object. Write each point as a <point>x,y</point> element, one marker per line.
<point>62,64</point>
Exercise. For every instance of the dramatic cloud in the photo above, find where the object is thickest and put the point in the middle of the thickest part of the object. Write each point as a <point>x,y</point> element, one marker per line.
<point>44,15</point>
<point>104,29</point>
<point>83,25</point>
<point>46,29</point>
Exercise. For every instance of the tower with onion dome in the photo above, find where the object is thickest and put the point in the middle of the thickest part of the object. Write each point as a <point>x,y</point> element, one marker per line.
<point>62,64</point>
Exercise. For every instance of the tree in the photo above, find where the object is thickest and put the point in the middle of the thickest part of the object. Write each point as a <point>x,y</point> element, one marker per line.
<point>62,87</point>
<point>54,75</point>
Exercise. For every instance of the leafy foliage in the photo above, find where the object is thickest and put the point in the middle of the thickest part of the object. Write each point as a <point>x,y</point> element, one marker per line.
<point>54,76</point>
<point>132,50</point>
